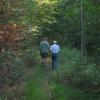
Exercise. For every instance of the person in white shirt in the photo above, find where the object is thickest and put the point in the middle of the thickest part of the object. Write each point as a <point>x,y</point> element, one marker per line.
<point>54,48</point>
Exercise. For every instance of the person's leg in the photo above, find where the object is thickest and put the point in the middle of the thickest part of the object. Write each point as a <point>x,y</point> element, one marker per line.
<point>56,61</point>
<point>52,56</point>
<point>45,59</point>
<point>42,62</point>
<point>42,59</point>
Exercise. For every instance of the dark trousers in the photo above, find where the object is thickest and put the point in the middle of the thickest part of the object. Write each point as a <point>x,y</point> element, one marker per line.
<point>54,60</point>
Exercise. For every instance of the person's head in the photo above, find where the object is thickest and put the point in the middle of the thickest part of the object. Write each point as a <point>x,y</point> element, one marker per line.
<point>54,42</point>
<point>45,39</point>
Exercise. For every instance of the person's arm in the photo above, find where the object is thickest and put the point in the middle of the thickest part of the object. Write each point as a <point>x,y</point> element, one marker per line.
<point>50,48</point>
<point>58,48</point>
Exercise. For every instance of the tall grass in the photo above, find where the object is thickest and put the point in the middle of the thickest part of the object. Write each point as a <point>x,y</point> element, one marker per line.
<point>61,92</point>
<point>78,72</point>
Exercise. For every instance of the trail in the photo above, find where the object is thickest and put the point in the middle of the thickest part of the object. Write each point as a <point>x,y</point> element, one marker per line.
<point>42,84</point>
<point>39,83</point>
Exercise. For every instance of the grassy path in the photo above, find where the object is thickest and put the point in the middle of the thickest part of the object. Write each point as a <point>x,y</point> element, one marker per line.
<point>41,84</point>
<point>38,81</point>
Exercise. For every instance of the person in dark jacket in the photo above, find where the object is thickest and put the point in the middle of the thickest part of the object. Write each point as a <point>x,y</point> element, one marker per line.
<point>44,50</point>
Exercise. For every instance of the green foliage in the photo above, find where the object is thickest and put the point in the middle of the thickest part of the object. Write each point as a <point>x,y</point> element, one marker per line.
<point>35,92</point>
<point>29,57</point>
<point>61,92</point>
<point>79,72</point>
<point>42,86</point>
<point>3,98</point>
<point>58,18</point>
<point>11,67</point>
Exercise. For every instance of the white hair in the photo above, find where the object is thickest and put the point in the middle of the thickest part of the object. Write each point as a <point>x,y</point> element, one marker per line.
<point>54,42</point>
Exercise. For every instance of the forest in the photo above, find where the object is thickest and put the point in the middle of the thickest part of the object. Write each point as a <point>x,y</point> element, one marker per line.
<point>74,24</point>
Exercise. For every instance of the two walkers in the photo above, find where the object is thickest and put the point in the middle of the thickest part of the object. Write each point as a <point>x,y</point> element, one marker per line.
<point>44,51</point>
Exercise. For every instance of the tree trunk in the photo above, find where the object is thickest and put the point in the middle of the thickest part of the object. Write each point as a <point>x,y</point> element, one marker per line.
<point>83,49</point>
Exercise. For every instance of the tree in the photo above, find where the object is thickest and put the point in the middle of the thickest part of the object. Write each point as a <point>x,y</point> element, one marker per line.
<point>9,29</point>
<point>83,49</point>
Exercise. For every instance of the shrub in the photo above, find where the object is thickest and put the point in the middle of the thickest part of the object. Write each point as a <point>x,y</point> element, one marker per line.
<point>10,67</point>
<point>81,73</point>
<point>29,57</point>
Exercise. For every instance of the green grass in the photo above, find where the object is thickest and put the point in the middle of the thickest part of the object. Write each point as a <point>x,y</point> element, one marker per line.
<point>43,84</point>
<point>3,98</point>
<point>61,92</point>
<point>35,92</point>
<point>34,89</point>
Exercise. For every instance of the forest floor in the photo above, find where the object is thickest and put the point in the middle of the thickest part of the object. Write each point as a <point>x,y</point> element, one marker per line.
<point>43,83</point>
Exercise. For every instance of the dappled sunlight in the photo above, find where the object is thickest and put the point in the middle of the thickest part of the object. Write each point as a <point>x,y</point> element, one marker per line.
<point>46,1</point>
